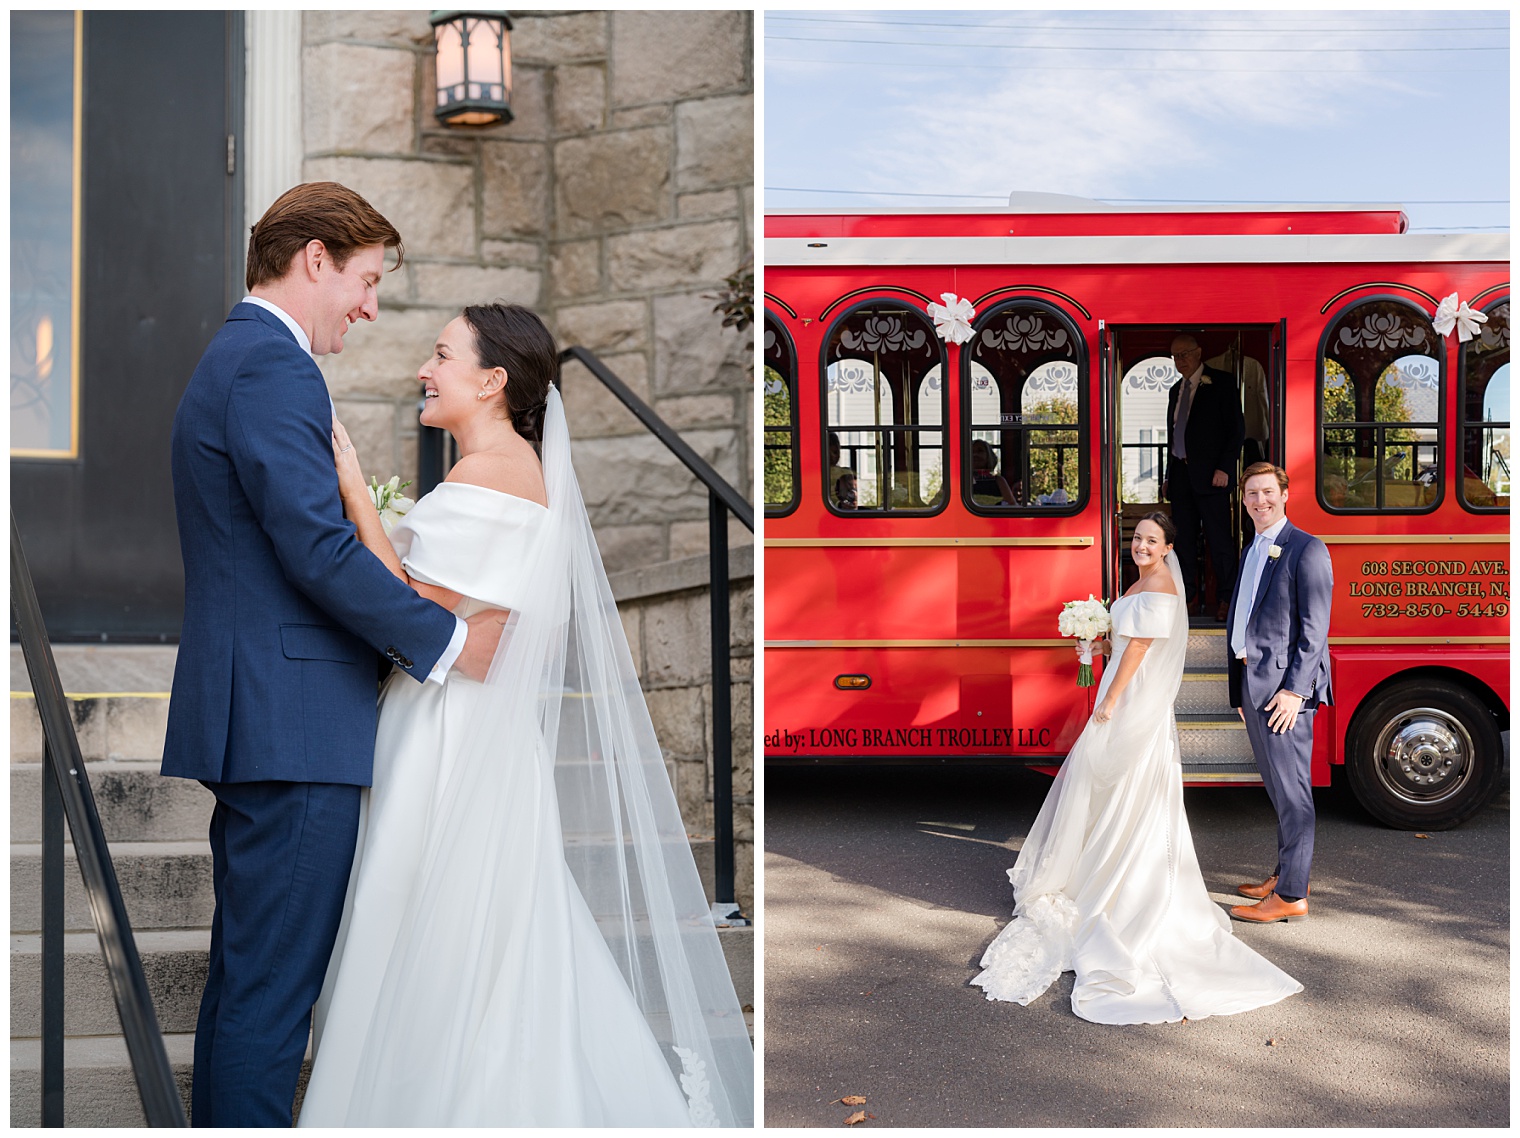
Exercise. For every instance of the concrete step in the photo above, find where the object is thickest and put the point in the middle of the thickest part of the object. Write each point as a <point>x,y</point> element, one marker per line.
<point>98,1087</point>
<point>109,726</point>
<point>174,963</point>
<point>165,885</point>
<point>135,802</point>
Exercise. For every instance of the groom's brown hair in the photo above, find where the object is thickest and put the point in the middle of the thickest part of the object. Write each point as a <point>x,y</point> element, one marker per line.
<point>1264,468</point>
<point>316,211</point>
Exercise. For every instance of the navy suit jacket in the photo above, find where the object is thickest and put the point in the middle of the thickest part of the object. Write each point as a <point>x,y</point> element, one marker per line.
<point>285,611</point>
<point>1215,432</point>
<point>1288,636</point>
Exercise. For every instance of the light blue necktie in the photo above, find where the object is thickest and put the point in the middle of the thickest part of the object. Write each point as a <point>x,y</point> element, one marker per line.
<point>1179,433</point>
<point>1243,602</point>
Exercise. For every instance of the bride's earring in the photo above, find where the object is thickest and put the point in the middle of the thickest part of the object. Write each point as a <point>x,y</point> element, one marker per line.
<point>482,395</point>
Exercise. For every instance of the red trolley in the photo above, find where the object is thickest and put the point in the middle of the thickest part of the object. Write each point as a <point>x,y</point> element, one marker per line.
<point>930,505</point>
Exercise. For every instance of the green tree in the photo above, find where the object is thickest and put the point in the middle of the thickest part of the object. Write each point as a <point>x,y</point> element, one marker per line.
<point>780,479</point>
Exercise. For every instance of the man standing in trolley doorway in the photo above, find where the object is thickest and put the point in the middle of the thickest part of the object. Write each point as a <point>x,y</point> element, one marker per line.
<point>1205,429</point>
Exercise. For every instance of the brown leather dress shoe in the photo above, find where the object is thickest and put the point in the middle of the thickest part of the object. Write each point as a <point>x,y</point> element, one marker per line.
<point>1274,908</point>
<point>1258,892</point>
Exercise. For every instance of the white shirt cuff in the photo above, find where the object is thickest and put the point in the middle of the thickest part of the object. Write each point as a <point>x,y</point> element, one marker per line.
<point>451,653</point>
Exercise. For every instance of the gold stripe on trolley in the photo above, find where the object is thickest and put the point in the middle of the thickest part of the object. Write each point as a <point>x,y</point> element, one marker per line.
<point>1061,643</point>
<point>1419,640</point>
<point>1414,538</point>
<point>927,542</point>
<point>1224,776</point>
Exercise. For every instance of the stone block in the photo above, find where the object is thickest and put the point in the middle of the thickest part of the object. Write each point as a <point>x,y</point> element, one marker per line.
<point>371,427</point>
<point>611,326</point>
<point>26,731</point>
<point>575,268</point>
<point>684,411</point>
<point>594,412</point>
<point>679,255</point>
<point>435,142</point>
<point>135,728</point>
<point>694,353</point>
<point>689,539</point>
<point>629,547</point>
<point>636,479</point>
<point>580,98</point>
<point>678,715</point>
<point>358,99</point>
<point>401,27</point>
<point>455,286</point>
<point>551,37</point>
<point>407,446</point>
<point>741,602</point>
<point>612,181</point>
<point>661,56</point>
<point>165,885</point>
<point>174,965</point>
<point>382,358</point>
<point>641,116</point>
<point>694,801</point>
<point>511,252</point>
<point>715,142</point>
<point>707,203</point>
<point>514,189</point>
<point>431,202</point>
<point>676,640</point>
<point>632,618</point>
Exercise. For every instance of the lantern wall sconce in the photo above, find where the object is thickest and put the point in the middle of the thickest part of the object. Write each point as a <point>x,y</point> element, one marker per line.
<point>474,59</point>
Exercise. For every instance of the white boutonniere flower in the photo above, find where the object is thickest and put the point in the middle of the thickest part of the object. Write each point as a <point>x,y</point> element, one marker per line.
<point>1205,380</point>
<point>1275,552</point>
<point>390,503</point>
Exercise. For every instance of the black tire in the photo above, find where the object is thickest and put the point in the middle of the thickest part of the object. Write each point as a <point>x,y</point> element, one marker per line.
<point>1424,755</point>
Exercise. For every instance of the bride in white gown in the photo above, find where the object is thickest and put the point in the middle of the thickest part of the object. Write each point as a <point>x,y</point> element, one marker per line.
<point>525,939</point>
<point>1107,883</point>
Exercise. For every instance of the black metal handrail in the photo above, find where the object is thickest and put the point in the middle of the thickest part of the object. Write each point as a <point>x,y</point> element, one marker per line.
<point>722,499</point>
<point>66,792</point>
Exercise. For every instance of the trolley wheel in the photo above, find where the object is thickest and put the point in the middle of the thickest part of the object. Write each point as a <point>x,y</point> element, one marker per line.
<point>1424,755</point>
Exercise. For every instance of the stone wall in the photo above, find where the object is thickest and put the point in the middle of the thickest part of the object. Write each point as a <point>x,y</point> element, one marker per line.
<point>614,203</point>
<point>666,614</point>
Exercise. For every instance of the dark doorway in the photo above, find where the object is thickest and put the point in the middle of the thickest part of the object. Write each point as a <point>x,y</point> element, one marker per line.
<point>161,234</point>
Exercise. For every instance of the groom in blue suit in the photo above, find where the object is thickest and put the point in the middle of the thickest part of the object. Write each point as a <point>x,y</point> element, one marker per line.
<point>288,619</point>
<point>1278,633</point>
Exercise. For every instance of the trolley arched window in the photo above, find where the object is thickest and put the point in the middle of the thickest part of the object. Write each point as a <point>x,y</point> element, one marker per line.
<point>1380,409</point>
<point>1485,413</point>
<point>779,394</point>
<point>884,411</point>
<point>1024,390</point>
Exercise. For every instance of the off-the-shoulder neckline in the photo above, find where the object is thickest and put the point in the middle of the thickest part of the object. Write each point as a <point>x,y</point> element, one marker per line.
<point>489,490</point>
<point>1147,593</point>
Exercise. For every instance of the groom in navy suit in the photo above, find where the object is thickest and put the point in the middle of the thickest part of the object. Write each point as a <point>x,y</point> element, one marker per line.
<point>1278,633</point>
<point>287,619</point>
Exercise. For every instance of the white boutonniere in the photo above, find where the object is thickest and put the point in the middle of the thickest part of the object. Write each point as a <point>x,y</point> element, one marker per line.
<point>1205,380</point>
<point>390,503</point>
<point>1275,552</point>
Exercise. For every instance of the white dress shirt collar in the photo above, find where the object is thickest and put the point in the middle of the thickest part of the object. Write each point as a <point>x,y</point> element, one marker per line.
<point>1273,530</point>
<point>286,319</point>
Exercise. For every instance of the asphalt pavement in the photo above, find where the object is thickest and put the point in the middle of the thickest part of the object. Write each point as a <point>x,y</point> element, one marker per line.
<point>884,885</point>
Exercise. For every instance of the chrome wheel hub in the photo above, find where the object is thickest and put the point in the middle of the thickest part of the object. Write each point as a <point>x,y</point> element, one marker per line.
<point>1424,756</point>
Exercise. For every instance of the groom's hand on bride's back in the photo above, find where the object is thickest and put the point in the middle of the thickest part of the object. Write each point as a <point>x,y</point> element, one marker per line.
<point>480,643</point>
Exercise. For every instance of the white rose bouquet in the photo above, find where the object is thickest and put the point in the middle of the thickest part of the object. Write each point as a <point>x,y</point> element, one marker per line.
<point>390,503</point>
<point>1088,621</point>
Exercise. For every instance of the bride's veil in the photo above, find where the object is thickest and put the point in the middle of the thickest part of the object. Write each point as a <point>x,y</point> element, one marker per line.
<point>564,673</point>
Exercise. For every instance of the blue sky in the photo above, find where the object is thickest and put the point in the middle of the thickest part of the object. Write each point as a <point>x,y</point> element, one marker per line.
<point>1407,106</point>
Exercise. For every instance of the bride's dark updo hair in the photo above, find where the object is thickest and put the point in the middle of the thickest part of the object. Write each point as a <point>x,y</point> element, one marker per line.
<point>1168,527</point>
<point>513,338</point>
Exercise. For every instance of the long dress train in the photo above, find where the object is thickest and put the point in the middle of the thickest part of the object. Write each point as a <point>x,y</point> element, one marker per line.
<point>1107,883</point>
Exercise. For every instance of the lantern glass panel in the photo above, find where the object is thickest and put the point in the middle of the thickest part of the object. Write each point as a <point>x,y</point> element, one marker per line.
<point>450,60</point>
<point>484,52</point>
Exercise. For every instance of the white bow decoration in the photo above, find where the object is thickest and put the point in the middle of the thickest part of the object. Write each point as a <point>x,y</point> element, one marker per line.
<point>1453,313</point>
<point>952,320</point>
